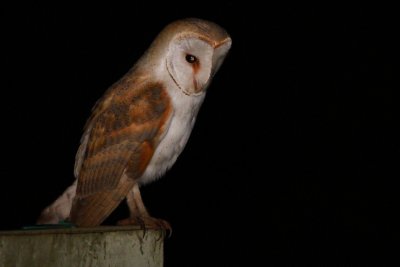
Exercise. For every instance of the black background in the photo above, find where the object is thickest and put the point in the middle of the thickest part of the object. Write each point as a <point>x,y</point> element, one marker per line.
<point>294,155</point>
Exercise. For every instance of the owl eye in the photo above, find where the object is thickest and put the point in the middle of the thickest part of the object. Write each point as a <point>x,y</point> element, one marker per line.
<point>191,59</point>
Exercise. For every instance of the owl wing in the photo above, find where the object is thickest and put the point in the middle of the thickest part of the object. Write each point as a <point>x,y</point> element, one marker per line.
<point>118,143</point>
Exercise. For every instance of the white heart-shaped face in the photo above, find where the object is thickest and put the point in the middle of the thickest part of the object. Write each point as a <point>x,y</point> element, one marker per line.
<point>190,64</point>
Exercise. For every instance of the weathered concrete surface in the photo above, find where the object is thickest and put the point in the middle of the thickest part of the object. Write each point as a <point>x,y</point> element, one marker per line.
<point>100,246</point>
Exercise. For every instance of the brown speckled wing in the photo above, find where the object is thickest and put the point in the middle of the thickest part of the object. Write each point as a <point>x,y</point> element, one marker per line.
<point>118,143</point>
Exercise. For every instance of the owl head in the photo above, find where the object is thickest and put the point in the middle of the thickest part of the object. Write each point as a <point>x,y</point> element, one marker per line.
<point>190,51</point>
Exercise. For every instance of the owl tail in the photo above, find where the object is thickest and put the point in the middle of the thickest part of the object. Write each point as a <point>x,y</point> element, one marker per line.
<point>59,210</point>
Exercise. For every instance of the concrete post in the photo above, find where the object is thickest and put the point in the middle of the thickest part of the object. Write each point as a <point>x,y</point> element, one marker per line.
<point>101,246</point>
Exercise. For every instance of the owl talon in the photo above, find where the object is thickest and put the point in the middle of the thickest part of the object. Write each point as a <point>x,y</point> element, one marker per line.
<point>165,227</point>
<point>148,223</point>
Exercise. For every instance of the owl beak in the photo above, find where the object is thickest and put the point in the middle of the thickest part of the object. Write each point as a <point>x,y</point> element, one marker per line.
<point>220,51</point>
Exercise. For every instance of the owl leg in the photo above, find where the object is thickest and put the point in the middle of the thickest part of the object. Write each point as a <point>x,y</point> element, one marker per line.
<point>139,214</point>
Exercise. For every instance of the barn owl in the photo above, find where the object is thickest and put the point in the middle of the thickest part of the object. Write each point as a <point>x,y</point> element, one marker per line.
<point>140,126</point>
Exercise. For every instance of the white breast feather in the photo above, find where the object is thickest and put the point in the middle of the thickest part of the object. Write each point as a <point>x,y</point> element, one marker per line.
<point>185,109</point>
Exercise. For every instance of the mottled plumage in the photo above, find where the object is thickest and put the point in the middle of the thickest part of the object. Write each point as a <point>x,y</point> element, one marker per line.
<point>141,125</point>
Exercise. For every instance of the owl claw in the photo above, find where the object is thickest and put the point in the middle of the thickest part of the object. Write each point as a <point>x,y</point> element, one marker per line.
<point>148,223</point>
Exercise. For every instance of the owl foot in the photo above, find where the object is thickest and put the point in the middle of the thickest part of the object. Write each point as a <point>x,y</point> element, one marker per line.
<point>147,222</point>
